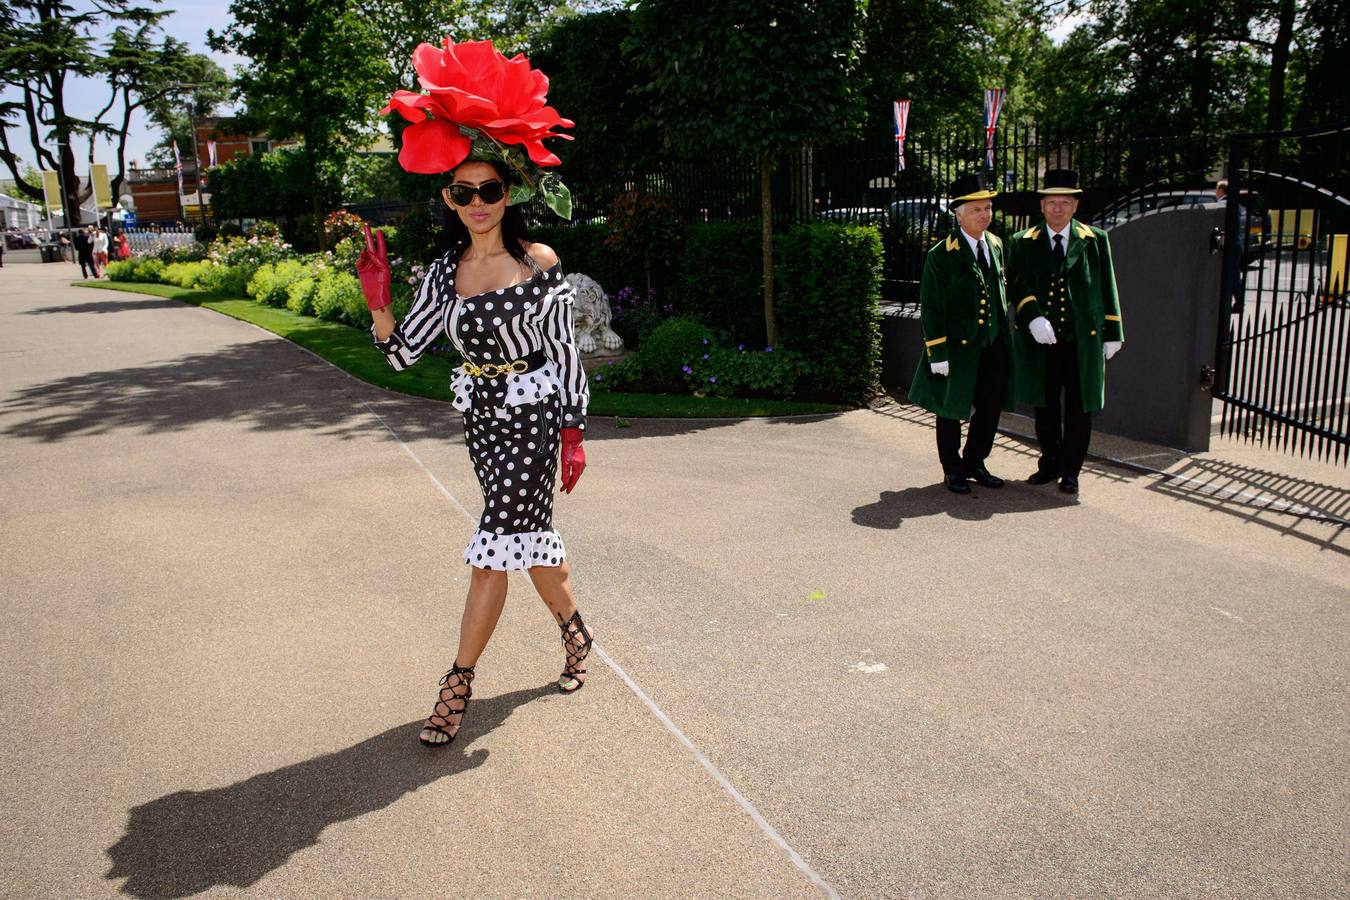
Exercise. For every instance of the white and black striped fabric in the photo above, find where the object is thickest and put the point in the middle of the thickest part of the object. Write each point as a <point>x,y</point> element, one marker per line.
<point>516,322</point>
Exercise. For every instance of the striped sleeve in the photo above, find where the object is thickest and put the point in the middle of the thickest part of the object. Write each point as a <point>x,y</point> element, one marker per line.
<point>420,326</point>
<point>560,346</point>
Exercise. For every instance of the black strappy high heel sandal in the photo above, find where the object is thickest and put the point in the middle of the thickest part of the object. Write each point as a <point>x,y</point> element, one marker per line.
<point>577,639</point>
<point>456,689</point>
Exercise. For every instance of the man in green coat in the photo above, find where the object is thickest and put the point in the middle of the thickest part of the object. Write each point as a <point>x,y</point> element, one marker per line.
<point>1068,324</point>
<point>964,312</point>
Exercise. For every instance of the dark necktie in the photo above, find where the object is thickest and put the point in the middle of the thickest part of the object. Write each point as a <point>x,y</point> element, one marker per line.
<point>980,257</point>
<point>1059,250</point>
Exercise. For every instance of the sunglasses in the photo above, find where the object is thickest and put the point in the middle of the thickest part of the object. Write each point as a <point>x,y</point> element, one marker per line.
<point>463,194</point>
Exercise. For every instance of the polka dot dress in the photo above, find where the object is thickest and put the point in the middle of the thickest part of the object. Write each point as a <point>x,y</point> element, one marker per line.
<point>514,450</point>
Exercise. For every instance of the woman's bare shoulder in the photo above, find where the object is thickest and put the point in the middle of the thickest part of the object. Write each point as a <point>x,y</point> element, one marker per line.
<point>543,255</point>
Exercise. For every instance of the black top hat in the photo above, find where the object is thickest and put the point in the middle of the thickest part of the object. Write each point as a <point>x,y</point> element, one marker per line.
<point>968,187</point>
<point>1060,181</point>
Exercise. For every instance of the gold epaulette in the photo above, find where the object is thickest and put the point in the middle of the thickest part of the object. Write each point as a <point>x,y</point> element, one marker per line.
<point>953,244</point>
<point>1031,233</point>
<point>1084,232</point>
<point>993,240</point>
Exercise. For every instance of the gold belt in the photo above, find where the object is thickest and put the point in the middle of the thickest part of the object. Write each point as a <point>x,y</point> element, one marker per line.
<point>495,370</point>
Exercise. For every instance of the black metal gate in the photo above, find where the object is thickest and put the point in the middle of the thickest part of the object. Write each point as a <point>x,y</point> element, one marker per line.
<point>1283,355</point>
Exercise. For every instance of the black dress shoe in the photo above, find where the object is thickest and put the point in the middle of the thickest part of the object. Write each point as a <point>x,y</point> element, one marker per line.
<point>1068,484</point>
<point>957,484</point>
<point>1039,477</point>
<point>983,478</point>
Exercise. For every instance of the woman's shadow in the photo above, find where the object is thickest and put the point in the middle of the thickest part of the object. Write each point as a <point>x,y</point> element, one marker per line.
<point>188,841</point>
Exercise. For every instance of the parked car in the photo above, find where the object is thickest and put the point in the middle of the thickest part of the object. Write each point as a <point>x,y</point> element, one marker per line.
<point>930,211</point>
<point>854,214</point>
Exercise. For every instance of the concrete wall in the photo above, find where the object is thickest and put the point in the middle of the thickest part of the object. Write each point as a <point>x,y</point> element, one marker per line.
<point>1169,296</point>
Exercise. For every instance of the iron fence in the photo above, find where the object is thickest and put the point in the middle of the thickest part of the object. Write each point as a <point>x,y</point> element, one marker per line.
<point>1123,176</point>
<point>1283,355</point>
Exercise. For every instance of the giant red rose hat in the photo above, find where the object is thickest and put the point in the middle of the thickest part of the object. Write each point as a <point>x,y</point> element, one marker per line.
<point>481,105</point>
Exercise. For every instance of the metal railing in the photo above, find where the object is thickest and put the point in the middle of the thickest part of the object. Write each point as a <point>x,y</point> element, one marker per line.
<point>1283,354</point>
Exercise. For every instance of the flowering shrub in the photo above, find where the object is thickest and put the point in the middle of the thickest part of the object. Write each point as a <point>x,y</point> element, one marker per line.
<point>342,225</point>
<point>270,282</point>
<point>184,274</point>
<point>636,315</point>
<point>338,298</point>
<point>616,374</point>
<point>739,372</point>
<point>300,295</point>
<point>671,345</point>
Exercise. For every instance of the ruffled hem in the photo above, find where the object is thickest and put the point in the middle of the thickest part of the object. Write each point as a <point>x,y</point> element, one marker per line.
<point>513,552</point>
<point>521,388</point>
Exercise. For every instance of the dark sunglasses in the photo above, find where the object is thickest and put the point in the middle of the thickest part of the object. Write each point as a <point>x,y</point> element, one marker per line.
<point>463,194</point>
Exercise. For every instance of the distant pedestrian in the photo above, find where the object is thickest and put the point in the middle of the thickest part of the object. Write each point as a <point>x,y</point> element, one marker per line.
<point>100,251</point>
<point>84,252</point>
<point>1068,324</point>
<point>123,248</point>
<point>64,243</point>
<point>965,368</point>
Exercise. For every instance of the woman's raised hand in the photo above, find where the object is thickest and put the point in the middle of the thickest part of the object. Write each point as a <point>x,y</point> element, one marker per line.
<point>372,268</point>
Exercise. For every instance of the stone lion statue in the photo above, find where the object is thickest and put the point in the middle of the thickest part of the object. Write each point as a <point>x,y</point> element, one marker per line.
<point>591,317</point>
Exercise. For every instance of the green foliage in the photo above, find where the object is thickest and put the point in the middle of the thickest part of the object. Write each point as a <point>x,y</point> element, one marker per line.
<point>339,299</point>
<point>418,238</point>
<point>719,279</point>
<point>830,283</point>
<point>747,76</point>
<point>673,344</point>
<point>300,295</point>
<point>122,270</point>
<point>270,282</point>
<point>739,372</point>
<point>183,274</point>
<point>636,314</point>
<point>582,248</point>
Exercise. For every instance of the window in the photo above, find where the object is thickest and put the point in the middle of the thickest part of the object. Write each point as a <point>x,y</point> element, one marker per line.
<point>258,146</point>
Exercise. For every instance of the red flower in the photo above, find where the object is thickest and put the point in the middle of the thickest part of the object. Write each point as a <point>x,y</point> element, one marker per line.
<point>471,84</point>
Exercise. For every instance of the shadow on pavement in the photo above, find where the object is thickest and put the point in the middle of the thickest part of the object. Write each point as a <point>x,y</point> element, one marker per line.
<point>190,841</point>
<point>1263,497</point>
<point>894,507</point>
<point>265,384</point>
<point>108,307</point>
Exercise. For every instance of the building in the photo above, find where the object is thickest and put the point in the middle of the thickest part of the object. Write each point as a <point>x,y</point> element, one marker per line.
<point>154,192</point>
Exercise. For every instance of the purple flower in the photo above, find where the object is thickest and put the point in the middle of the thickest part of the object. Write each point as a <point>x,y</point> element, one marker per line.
<point>712,379</point>
<point>768,349</point>
<point>705,342</point>
<point>610,363</point>
<point>705,356</point>
<point>687,370</point>
<point>599,378</point>
<point>740,347</point>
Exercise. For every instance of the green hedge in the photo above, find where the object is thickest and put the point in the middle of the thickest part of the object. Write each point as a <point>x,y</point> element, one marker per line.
<point>829,282</point>
<point>719,281</point>
<point>581,248</point>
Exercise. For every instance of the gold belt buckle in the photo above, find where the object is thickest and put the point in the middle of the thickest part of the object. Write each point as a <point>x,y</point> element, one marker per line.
<point>495,370</point>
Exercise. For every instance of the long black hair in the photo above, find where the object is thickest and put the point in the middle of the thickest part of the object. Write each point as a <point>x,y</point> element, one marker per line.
<point>515,233</point>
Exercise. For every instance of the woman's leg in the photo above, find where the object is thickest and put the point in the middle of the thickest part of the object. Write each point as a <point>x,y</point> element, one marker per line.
<point>554,584</point>
<point>482,610</point>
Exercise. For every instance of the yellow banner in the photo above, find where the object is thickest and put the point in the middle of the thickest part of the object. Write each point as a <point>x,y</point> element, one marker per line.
<point>98,178</point>
<point>51,190</point>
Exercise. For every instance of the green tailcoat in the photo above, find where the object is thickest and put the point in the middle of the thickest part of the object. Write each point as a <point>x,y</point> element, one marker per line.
<point>959,312</point>
<point>1082,298</point>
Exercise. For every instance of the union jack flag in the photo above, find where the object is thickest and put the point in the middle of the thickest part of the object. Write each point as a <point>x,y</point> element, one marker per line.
<point>993,107</point>
<point>901,110</point>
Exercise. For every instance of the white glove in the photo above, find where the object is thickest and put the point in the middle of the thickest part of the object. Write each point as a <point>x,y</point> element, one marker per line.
<point>940,368</point>
<point>1042,330</point>
<point>1111,348</point>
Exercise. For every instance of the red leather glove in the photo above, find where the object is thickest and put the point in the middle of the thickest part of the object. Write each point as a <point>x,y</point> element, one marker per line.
<point>573,458</point>
<point>372,267</point>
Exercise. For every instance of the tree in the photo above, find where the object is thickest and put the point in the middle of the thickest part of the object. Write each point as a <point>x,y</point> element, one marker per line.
<point>318,73</point>
<point>44,46</point>
<point>174,113</point>
<point>753,78</point>
<point>30,175</point>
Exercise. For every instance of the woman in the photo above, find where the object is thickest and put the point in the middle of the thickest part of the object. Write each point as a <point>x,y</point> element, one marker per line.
<point>100,252</point>
<point>123,248</point>
<point>504,304</point>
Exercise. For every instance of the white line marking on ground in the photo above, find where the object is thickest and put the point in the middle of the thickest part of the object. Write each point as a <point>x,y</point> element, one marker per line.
<point>867,668</point>
<point>699,756</point>
<point>1233,616</point>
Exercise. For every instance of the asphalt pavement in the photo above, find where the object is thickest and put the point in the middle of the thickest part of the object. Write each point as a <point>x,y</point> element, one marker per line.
<point>231,579</point>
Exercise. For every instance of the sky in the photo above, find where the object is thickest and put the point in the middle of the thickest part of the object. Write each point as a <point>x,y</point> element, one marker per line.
<point>188,22</point>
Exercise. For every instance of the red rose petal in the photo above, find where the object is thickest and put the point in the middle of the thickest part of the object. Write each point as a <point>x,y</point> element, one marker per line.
<point>432,147</point>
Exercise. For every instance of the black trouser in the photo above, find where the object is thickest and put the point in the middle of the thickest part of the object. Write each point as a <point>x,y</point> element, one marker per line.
<point>991,385</point>
<point>87,264</point>
<point>1064,438</point>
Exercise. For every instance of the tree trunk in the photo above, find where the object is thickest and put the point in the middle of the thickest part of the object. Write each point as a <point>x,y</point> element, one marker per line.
<point>766,237</point>
<point>1279,62</point>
